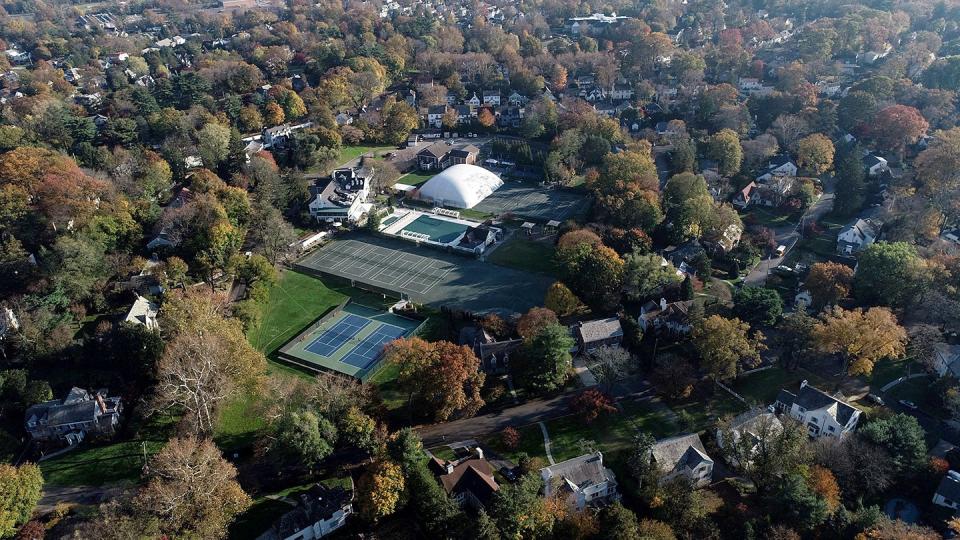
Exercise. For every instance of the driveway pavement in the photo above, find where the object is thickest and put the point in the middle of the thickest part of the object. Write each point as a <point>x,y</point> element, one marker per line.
<point>788,235</point>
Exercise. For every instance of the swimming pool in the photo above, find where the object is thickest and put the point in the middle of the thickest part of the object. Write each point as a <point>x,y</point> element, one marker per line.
<point>439,230</point>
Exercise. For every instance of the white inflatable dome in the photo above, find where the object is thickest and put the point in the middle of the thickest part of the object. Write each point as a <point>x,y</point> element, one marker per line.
<point>460,186</point>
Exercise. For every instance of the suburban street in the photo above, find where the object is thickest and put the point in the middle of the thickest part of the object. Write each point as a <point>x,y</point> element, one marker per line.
<point>788,235</point>
<point>531,412</point>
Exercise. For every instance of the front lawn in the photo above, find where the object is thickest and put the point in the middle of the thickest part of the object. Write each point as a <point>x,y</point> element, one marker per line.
<point>531,444</point>
<point>762,388</point>
<point>416,178</point>
<point>527,255</point>
<point>768,217</point>
<point>888,370</point>
<point>97,464</point>
<point>350,153</point>
<point>610,433</point>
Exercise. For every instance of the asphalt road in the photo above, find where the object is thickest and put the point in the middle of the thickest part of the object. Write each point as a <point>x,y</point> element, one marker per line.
<point>788,235</point>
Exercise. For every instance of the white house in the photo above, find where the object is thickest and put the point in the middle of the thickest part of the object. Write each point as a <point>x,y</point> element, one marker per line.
<point>18,57</point>
<point>435,116</point>
<point>321,511</point>
<point>779,166</point>
<point>948,492</point>
<point>278,135</point>
<point>474,101</point>
<point>946,359</point>
<point>751,427</point>
<point>620,92</point>
<point>823,414</point>
<point>856,236</point>
<point>342,197</point>
<point>672,319</point>
<point>683,456</point>
<point>875,165</point>
<point>582,480</point>
<point>143,312</point>
<point>491,97</point>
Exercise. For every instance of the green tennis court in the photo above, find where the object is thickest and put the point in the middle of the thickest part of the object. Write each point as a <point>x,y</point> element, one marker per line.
<point>439,230</point>
<point>348,341</point>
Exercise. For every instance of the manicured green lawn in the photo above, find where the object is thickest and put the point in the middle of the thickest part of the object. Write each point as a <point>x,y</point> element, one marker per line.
<point>611,433</point>
<point>416,178</point>
<point>95,464</point>
<point>239,422</point>
<point>295,301</point>
<point>528,255</point>
<point>443,452</point>
<point>702,412</point>
<point>349,153</point>
<point>394,398</point>
<point>768,218</point>
<point>762,388</point>
<point>889,369</point>
<point>531,444</point>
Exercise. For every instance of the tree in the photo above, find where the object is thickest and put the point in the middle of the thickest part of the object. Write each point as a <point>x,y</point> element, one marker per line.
<point>561,300</point>
<point>379,490</point>
<point>798,504</point>
<point>612,364</point>
<point>521,511</point>
<point>360,430</point>
<point>895,529</point>
<point>591,403</point>
<point>535,320</point>
<point>651,529</point>
<point>594,273</point>
<point>688,206</point>
<point>774,449</point>
<point>828,283</point>
<point>861,337</point>
<point>272,234</point>
<point>207,360</point>
<point>725,344</point>
<point>273,114</point>
<point>673,377</point>
<point>724,147</point>
<point>20,490</point>
<point>896,126</point>
<point>646,275</point>
<point>815,153</point>
<point>443,377</point>
<point>253,269</point>
<point>510,437</point>
<point>486,119</point>
<point>626,188</point>
<point>304,437</point>
<point>435,511</point>
<point>822,482</point>
<point>576,237</point>
<point>192,490</point>
<point>544,361</point>
<point>888,273</point>
<point>757,305</point>
<point>901,436</point>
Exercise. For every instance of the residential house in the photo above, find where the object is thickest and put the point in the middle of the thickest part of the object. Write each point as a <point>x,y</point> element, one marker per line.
<point>435,115</point>
<point>748,429</point>
<point>779,166</point>
<point>491,97</point>
<point>465,114</point>
<point>74,417</point>
<point>856,235</point>
<point>165,238</point>
<point>474,101</point>
<point>948,492</point>
<point>279,135</point>
<point>773,193</point>
<point>875,165</point>
<point>510,116</point>
<point>582,481</point>
<point>823,414</point>
<point>682,456</point>
<point>8,321</point>
<point>440,155</point>
<point>517,100</point>
<point>143,312</point>
<point>342,197</point>
<point>946,359</point>
<point>671,319</point>
<point>320,511</point>
<point>753,87</point>
<point>17,57</point>
<point>494,355</point>
<point>724,241</point>
<point>344,119</point>
<point>468,481</point>
<point>684,255</point>
<point>621,92</point>
<point>591,335</point>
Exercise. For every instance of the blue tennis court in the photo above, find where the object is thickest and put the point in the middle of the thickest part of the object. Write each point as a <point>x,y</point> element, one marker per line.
<point>334,338</point>
<point>367,351</point>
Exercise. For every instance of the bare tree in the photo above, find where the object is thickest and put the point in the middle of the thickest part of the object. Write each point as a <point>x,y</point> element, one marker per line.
<point>613,363</point>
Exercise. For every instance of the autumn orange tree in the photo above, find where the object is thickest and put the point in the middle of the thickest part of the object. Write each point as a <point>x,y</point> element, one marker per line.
<point>442,377</point>
<point>534,320</point>
<point>829,282</point>
<point>896,126</point>
<point>822,482</point>
<point>860,337</point>
<point>380,489</point>
<point>561,300</point>
<point>592,403</point>
<point>724,344</point>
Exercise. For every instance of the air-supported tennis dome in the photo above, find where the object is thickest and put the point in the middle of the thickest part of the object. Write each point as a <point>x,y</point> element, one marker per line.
<point>460,186</point>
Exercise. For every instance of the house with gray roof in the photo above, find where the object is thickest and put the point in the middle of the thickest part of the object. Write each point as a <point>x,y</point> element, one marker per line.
<point>320,511</point>
<point>948,492</point>
<point>591,335</point>
<point>583,481</point>
<point>856,235</point>
<point>946,359</point>
<point>682,456</point>
<point>144,312</point>
<point>823,414</point>
<point>71,419</point>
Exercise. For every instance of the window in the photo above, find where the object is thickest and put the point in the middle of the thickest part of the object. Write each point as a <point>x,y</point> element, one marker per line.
<point>830,428</point>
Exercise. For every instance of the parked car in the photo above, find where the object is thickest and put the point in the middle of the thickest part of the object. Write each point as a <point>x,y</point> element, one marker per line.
<point>781,250</point>
<point>875,399</point>
<point>908,404</point>
<point>509,474</point>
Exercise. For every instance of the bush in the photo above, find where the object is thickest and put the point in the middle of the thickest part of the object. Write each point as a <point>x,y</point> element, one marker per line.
<point>510,437</point>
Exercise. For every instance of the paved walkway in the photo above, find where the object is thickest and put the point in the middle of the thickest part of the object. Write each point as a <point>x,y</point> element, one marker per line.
<point>85,495</point>
<point>895,382</point>
<point>546,442</point>
<point>586,377</point>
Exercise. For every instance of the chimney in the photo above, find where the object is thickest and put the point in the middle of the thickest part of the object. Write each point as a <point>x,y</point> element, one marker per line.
<point>803,383</point>
<point>103,406</point>
<point>480,452</point>
<point>449,467</point>
<point>663,303</point>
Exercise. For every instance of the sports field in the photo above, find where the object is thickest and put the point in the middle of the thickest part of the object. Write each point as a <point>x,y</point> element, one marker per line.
<point>438,230</point>
<point>426,275</point>
<point>533,202</point>
<point>349,341</point>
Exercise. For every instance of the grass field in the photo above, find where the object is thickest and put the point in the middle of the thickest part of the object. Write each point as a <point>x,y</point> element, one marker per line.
<point>528,255</point>
<point>611,433</point>
<point>762,388</point>
<point>416,178</point>
<point>96,464</point>
<point>350,153</point>
<point>531,444</point>
<point>295,301</point>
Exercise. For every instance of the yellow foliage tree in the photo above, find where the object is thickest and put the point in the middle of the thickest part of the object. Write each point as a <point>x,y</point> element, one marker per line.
<point>861,337</point>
